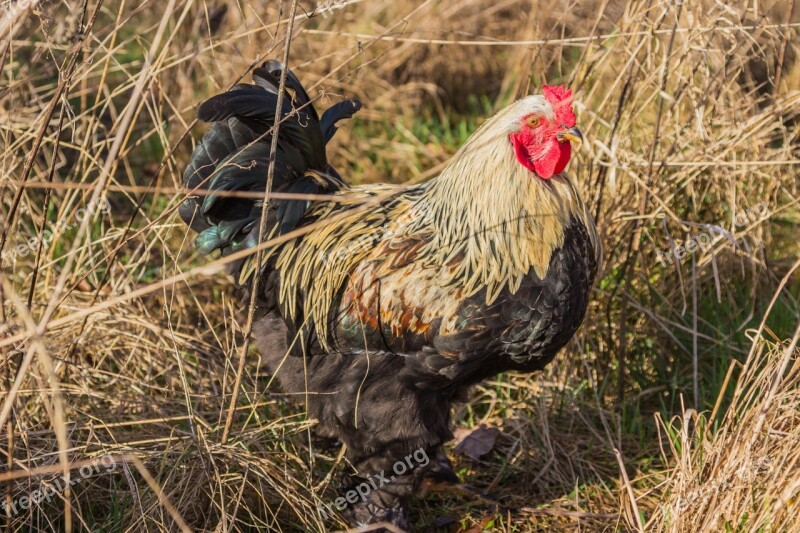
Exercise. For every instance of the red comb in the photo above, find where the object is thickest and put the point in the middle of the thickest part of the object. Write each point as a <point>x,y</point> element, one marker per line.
<point>561,99</point>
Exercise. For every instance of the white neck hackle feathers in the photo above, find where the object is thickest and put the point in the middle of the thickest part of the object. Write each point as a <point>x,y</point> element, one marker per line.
<point>503,220</point>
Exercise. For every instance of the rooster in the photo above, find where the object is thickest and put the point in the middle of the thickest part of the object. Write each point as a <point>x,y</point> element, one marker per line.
<point>384,304</point>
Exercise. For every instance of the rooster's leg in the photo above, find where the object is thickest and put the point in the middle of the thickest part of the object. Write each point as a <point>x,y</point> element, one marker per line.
<point>383,483</point>
<point>391,428</point>
<point>441,472</point>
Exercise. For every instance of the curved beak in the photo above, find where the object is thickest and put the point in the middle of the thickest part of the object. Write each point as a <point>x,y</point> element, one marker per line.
<point>571,135</point>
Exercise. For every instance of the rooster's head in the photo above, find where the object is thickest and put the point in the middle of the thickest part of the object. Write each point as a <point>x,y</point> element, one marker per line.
<point>503,203</point>
<point>540,130</point>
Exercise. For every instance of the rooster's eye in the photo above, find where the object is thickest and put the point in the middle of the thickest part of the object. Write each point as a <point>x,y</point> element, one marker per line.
<point>532,121</point>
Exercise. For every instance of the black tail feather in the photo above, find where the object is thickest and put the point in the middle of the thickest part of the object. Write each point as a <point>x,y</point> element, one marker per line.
<point>233,156</point>
<point>335,113</point>
<point>270,74</point>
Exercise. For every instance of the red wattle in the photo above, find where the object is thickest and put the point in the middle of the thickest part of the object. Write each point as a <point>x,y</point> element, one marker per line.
<point>521,151</point>
<point>565,148</point>
<point>552,162</point>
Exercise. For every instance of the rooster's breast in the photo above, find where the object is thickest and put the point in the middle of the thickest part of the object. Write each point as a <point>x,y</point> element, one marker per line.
<point>524,329</point>
<point>444,333</point>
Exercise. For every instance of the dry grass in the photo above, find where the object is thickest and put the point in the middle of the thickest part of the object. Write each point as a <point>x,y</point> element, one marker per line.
<point>739,477</point>
<point>116,339</point>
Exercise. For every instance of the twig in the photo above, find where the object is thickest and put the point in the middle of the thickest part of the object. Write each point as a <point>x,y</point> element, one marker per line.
<point>629,488</point>
<point>262,228</point>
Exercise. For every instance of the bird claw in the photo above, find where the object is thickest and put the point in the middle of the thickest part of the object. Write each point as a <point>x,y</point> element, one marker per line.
<point>372,518</point>
<point>440,473</point>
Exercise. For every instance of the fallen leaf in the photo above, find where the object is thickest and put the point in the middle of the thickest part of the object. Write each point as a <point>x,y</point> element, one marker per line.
<point>477,442</point>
